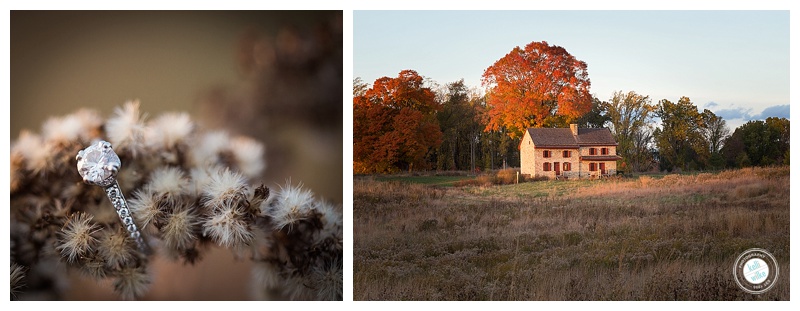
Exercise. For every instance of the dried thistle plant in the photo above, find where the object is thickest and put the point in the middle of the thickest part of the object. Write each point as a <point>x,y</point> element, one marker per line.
<point>17,279</point>
<point>186,188</point>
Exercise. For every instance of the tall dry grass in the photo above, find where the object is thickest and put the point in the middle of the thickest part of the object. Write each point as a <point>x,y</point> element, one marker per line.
<point>646,238</point>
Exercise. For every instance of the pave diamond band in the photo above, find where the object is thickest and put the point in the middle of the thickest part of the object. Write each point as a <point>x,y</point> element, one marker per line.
<point>98,165</point>
<point>118,200</point>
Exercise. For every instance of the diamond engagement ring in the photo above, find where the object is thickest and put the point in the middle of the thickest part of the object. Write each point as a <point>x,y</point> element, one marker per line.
<point>98,164</point>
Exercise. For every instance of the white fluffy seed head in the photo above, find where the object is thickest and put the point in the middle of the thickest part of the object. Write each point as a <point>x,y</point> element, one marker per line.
<point>125,129</point>
<point>33,150</point>
<point>62,130</point>
<point>288,205</point>
<point>327,280</point>
<point>94,267</point>
<point>168,130</point>
<point>178,232</point>
<point>209,147</point>
<point>331,224</point>
<point>199,179</point>
<point>296,287</point>
<point>224,187</point>
<point>115,248</point>
<point>76,237</point>
<point>169,181</point>
<point>145,209</point>
<point>249,156</point>
<point>92,123</point>
<point>132,283</point>
<point>82,127</point>
<point>266,275</point>
<point>228,229</point>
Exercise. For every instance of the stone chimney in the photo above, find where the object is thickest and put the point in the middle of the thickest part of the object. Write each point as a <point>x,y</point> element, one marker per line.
<point>574,128</point>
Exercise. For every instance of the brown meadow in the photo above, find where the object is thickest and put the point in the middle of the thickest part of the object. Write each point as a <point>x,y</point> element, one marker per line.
<point>674,237</point>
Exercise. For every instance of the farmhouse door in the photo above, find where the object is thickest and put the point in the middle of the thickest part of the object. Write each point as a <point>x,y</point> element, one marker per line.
<point>558,168</point>
<point>602,168</point>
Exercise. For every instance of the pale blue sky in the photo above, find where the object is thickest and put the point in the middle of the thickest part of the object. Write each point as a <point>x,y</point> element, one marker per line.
<point>735,63</point>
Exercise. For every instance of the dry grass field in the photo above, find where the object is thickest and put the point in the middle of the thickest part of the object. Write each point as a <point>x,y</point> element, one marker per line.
<point>674,237</point>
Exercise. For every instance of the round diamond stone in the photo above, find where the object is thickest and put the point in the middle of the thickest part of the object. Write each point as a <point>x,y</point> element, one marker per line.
<point>98,164</point>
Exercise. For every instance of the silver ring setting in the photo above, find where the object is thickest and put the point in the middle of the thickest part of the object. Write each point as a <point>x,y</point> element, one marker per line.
<point>98,165</point>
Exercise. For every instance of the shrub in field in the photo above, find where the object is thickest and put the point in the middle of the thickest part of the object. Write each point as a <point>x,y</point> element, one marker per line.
<point>503,177</point>
<point>506,177</point>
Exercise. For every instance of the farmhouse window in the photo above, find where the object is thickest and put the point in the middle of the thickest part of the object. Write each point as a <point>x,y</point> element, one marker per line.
<point>604,151</point>
<point>567,166</point>
<point>547,153</point>
<point>546,166</point>
<point>592,151</point>
<point>592,167</point>
<point>567,154</point>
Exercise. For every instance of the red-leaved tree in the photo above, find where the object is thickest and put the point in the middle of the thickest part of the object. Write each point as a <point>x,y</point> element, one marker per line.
<point>539,86</point>
<point>394,125</point>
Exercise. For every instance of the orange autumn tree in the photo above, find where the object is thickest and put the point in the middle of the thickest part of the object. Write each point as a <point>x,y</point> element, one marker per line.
<point>541,85</point>
<point>394,125</point>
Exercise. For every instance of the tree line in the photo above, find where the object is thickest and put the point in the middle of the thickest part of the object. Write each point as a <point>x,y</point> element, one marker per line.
<point>409,123</point>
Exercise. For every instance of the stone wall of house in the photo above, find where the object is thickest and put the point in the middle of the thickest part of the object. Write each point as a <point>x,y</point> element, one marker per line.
<point>527,160</point>
<point>537,165</point>
<point>610,166</point>
<point>612,150</point>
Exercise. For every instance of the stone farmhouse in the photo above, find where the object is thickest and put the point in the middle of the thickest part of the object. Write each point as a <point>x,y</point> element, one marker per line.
<point>568,152</point>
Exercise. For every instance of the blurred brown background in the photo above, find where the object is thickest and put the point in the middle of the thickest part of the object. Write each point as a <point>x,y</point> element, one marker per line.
<point>274,76</point>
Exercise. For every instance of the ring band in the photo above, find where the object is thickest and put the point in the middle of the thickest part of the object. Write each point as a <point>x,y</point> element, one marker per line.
<point>98,165</point>
<point>118,200</point>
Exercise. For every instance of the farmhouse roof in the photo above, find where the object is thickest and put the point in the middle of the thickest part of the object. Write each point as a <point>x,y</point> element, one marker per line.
<point>562,137</point>
<point>555,137</point>
<point>599,136</point>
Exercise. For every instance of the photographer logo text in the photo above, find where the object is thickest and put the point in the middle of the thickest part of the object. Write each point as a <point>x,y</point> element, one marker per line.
<point>755,271</point>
